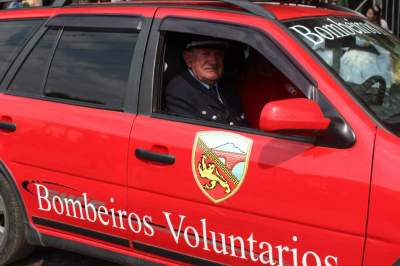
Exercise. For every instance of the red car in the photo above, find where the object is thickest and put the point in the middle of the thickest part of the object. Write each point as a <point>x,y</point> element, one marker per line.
<point>92,161</point>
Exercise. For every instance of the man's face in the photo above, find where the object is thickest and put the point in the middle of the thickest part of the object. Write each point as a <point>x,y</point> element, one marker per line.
<point>207,64</point>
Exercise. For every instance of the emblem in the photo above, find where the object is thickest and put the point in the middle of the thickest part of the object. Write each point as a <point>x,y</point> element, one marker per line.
<point>219,163</point>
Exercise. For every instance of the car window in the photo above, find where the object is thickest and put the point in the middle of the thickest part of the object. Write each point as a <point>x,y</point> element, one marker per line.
<point>248,82</point>
<point>30,77</point>
<point>91,67</point>
<point>13,36</point>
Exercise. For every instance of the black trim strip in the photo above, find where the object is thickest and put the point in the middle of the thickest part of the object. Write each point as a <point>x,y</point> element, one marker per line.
<point>78,247</point>
<point>8,126</point>
<point>305,139</point>
<point>96,21</point>
<point>155,156</point>
<point>52,52</point>
<point>173,255</point>
<point>81,231</point>
<point>135,73</point>
<point>158,225</point>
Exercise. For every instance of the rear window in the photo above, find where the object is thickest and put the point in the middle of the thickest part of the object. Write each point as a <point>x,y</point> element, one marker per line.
<point>13,37</point>
<point>92,67</point>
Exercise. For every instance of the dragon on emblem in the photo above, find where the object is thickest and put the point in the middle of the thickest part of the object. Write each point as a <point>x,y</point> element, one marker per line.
<point>207,171</point>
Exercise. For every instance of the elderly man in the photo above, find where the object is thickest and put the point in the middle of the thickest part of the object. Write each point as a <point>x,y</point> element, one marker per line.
<point>198,92</point>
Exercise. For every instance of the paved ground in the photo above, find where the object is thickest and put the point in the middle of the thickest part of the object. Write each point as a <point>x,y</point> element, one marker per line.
<point>55,257</point>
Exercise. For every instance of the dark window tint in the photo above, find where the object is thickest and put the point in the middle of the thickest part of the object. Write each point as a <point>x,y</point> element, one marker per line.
<point>92,67</point>
<point>13,35</point>
<point>30,76</point>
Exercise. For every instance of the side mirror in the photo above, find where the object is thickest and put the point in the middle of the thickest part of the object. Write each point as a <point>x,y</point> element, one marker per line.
<point>293,114</point>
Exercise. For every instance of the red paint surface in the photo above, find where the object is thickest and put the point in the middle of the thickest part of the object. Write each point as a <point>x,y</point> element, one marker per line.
<point>319,195</point>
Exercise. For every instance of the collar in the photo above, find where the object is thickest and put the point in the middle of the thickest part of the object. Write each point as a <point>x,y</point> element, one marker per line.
<point>201,82</point>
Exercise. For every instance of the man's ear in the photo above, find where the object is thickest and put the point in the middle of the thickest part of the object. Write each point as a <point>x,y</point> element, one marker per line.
<point>187,56</point>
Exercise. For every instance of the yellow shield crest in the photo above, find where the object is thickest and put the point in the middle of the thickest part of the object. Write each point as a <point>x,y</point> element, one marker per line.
<point>219,163</point>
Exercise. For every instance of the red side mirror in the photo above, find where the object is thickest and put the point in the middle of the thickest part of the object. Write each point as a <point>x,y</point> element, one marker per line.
<point>293,114</point>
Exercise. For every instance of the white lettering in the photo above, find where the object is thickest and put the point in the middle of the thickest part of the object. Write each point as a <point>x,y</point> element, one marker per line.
<point>306,33</point>
<point>354,27</point>
<point>251,241</point>
<point>335,260</point>
<point>121,219</point>
<point>175,235</point>
<point>268,252</point>
<point>103,210</point>
<point>316,257</point>
<point>204,228</point>
<point>347,31</point>
<point>196,236</point>
<point>281,249</point>
<point>44,197</point>
<point>377,29</point>
<point>294,252</point>
<point>112,211</point>
<point>73,204</point>
<point>324,33</point>
<point>365,28</point>
<point>335,30</point>
<point>135,220</point>
<point>147,225</point>
<point>215,244</point>
<point>54,201</point>
<point>233,239</point>
<point>89,206</point>
<point>187,237</point>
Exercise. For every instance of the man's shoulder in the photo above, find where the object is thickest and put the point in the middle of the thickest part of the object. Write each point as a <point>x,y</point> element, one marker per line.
<point>178,78</point>
<point>181,82</point>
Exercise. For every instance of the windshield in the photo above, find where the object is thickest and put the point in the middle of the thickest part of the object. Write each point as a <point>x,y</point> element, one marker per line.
<point>366,57</point>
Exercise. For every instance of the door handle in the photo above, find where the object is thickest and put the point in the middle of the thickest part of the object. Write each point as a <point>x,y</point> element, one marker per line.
<point>155,156</point>
<point>8,126</point>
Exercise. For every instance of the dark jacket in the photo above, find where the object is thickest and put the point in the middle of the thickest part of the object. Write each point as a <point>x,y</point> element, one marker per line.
<point>185,96</point>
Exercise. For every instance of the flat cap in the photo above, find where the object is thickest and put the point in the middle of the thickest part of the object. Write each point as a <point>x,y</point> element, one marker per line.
<point>206,44</point>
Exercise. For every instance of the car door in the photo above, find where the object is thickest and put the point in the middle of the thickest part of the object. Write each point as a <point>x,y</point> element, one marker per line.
<point>294,202</point>
<point>67,99</point>
<point>383,235</point>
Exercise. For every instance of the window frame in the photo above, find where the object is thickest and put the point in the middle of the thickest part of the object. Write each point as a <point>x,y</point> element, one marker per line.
<point>207,28</point>
<point>88,21</point>
<point>24,44</point>
<point>155,53</point>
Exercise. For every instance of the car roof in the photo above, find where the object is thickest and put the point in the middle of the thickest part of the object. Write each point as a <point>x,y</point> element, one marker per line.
<point>279,10</point>
<point>287,11</point>
<point>282,11</point>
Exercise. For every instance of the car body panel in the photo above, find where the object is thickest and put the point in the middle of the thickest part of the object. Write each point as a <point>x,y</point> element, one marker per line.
<point>60,147</point>
<point>275,167</point>
<point>310,203</point>
<point>383,234</point>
